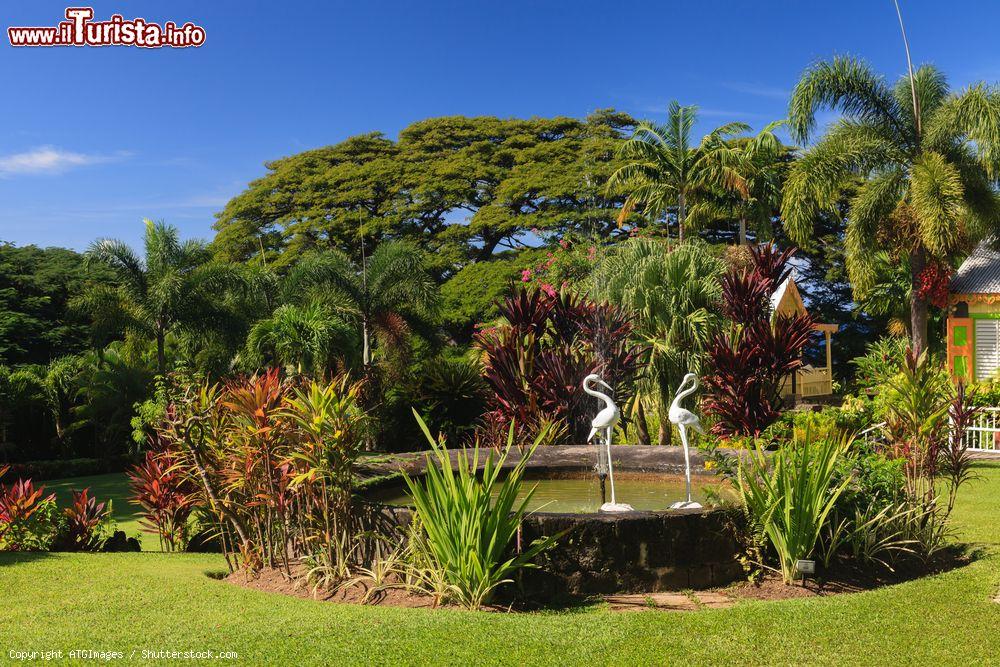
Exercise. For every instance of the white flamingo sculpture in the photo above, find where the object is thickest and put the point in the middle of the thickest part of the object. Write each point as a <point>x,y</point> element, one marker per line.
<point>604,423</point>
<point>685,419</point>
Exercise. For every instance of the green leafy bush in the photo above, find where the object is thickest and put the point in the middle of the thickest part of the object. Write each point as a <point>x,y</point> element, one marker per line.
<point>469,521</point>
<point>453,397</point>
<point>790,494</point>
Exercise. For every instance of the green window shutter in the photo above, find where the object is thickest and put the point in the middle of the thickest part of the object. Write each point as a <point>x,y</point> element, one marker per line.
<point>961,336</point>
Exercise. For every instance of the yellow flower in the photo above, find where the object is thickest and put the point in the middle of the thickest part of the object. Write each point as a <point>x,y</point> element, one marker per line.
<point>709,465</point>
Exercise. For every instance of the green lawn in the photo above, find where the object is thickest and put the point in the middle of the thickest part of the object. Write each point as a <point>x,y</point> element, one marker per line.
<point>121,602</point>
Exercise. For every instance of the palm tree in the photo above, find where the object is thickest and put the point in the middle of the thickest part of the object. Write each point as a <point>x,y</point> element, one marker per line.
<point>174,287</point>
<point>389,298</point>
<point>663,170</point>
<point>673,295</point>
<point>304,339</point>
<point>750,179</point>
<point>928,161</point>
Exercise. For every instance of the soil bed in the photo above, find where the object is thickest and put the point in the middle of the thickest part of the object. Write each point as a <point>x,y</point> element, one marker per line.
<point>841,580</point>
<point>770,587</point>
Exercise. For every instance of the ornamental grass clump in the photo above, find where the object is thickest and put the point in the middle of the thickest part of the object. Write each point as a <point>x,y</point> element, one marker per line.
<point>790,494</point>
<point>469,521</point>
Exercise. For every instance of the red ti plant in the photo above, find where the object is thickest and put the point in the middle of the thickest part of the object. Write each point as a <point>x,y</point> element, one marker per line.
<point>165,494</point>
<point>84,519</point>
<point>18,503</point>
<point>536,360</point>
<point>749,363</point>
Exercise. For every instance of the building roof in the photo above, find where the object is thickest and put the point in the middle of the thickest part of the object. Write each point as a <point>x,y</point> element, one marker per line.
<point>980,273</point>
<point>779,293</point>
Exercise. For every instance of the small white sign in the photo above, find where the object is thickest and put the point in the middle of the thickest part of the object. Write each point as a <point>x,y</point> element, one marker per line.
<point>806,566</point>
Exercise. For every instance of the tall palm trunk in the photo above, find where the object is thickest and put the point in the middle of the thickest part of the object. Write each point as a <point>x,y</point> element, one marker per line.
<point>743,230</point>
<point>918,306</point>
<point>681,215</point>
<point>641,428</point>
<point>161,356</point>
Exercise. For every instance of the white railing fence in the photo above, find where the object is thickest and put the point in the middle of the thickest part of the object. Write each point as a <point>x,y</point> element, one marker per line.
<point>983,435</point>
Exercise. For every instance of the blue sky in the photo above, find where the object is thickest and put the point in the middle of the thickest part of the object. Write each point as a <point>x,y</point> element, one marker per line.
<point>95,139</point>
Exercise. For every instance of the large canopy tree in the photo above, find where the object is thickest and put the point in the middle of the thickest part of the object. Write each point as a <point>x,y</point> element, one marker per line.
<point>462,187</point>
<point>928,160</point>
<point>664,170</point>
<point>36,286</point>
<point>174,287</point>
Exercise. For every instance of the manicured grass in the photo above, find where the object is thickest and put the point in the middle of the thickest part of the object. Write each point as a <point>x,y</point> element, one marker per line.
<point>159,601</point>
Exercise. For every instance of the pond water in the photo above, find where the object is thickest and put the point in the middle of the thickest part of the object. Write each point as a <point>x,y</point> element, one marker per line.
<point>581,494</point>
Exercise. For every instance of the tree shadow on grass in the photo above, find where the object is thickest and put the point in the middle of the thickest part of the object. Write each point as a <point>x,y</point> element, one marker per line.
<point>8,558</point>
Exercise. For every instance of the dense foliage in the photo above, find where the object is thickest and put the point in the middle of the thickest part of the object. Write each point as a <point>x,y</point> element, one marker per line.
<point>749,363</point>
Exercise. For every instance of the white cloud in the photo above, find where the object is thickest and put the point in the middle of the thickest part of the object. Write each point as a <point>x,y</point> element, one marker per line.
<point>50,160</point>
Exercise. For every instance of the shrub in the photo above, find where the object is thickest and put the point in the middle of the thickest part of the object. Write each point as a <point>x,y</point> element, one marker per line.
<point>748,365</point>
<point>273,460</point>
<point>453,397</point>
<point>28,521</point>
<point>86,523</point>
<point>537,358</point>
<point>880,363</point>
<point>469,522</point>
<point>790,497</point>
<point>59,469</point>
<point>165,495</point>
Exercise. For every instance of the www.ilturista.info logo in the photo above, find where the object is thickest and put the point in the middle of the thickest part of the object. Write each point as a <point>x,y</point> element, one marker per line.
<point>81,30</point>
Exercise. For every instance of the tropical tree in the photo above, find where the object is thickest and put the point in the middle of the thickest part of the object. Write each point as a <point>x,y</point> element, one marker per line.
<point>928,161</point>
<point>665,171</point>
<point>303,339</point>
<point>748,182</point>
<point>174,287</point>
<point>386,299</point>
<point>673,296</point>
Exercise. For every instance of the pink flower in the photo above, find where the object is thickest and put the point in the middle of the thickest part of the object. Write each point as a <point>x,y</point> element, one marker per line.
<point>548,289</point>
<point>564,243</point>
<point>591,252</point>
<point>526,276</point>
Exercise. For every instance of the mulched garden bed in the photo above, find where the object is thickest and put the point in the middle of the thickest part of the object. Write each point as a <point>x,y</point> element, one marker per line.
<point>770,587</point>
<point>843,580</point>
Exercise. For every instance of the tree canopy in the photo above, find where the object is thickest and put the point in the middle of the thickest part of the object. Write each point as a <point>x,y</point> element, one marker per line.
<point>461,187</point>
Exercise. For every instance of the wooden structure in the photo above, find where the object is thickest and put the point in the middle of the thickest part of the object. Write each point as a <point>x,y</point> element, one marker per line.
<point>973,342</point>
<point>808,381</point>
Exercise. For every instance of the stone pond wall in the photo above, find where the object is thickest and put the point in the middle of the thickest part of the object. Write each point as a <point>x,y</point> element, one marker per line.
<point>635,552</point>
<point>628,553</point>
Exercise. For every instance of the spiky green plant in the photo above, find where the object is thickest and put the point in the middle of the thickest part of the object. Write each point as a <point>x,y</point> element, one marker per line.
<point>926,159</point>
<point>791,493</point>
<point>470,520</point>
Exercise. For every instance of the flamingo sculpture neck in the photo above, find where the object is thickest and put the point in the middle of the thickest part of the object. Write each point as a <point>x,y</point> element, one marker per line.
<point>608,403</point>
<point>683,393</point>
